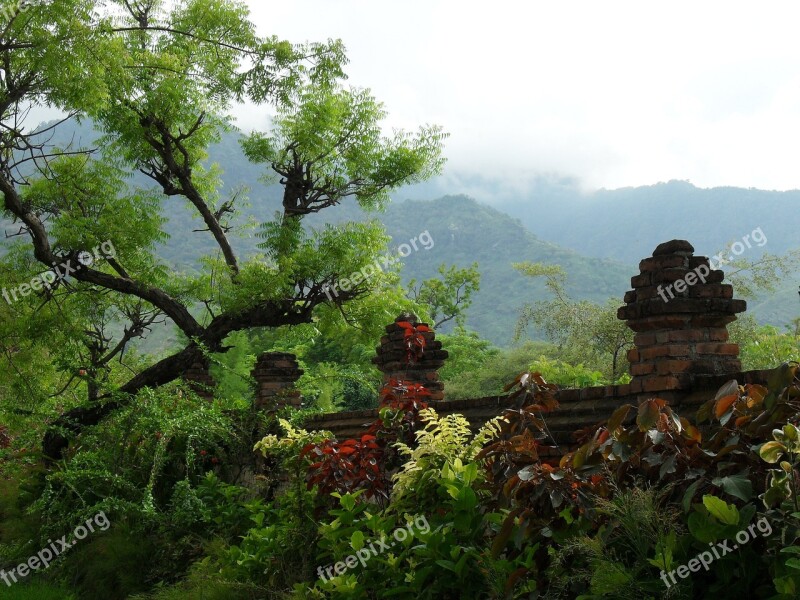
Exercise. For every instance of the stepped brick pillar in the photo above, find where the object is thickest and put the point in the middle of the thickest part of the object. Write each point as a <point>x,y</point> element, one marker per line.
<point>199,379</point>
<point>395,362</point>
<point>679,309</point>
<point>276,374</point>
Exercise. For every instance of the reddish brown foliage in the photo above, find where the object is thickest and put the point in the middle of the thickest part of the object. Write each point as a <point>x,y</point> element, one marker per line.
<point>415,341</point>
<point>367,464</point>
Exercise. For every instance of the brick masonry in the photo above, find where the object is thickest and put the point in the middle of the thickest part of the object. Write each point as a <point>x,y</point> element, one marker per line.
<point>680,310</point>
<point>579,408</point>
<point>276,374</point>
<point>199,379</point>
<point>681,353</point>
<point>392,357</point>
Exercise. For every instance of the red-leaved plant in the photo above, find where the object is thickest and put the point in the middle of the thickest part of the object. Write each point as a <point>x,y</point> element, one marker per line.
<point>414,340</point>
<point>368,463</point>
<point>648,444</point>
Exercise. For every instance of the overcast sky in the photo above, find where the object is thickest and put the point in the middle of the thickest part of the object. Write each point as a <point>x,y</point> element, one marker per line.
<point>615,93</point>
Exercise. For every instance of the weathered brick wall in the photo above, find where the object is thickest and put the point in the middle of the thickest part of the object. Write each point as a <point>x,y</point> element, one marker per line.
<point>681,352</point>
<point>579,408</point>
<point>679,309</point>
<point>276,374</point>
<point>199,379</point>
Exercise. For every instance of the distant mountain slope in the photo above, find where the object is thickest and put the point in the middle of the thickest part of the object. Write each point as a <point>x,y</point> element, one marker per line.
<point>465,231</point>
<point>626,224</point>
<point>616,227</point>
<point>709,218</point>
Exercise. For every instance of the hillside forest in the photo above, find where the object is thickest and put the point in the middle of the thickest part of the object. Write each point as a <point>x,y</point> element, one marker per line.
<point>146,234</point>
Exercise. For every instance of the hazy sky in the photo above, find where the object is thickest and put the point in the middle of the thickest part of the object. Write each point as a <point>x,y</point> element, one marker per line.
<point>615,93</point>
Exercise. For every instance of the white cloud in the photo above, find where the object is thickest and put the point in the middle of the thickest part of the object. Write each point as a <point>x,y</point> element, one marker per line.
<point>617,93</point>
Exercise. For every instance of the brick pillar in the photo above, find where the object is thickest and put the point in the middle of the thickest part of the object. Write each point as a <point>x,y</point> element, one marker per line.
<point>680,320</point>
<point>392,359</point>
<point>276,374</point>
<point>199,379</point>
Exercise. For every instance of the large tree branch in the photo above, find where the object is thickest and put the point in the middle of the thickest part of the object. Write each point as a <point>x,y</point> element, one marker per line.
<point>13,203</point>
<point>57,437</point>
<point>45,255</point>
<point>173,308</point>
<point>178,170</point>
<point>216,43</point>
<point>167,370</point>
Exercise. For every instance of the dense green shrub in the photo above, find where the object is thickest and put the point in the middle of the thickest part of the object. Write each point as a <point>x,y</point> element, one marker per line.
<point>483,514</point>
<point>36,591</point>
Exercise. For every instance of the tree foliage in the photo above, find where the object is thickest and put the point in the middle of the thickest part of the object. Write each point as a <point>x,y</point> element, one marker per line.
<point>160,81</point>
<point>584,331</point>
<point>448,296</point>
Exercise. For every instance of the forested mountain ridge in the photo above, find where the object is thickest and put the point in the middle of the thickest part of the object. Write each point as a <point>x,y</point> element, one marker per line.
<point>621,224</point>
<point>626,224</point>
<point>598,238</point>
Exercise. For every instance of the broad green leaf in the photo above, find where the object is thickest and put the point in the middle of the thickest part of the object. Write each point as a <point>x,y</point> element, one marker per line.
<point>771,451</point>
<point>348,502</point>
<point>774,496</point>
<point>793,563</point>
<point>736,485</point>
<point>703,528</point>
<point>687,497</point>
<point>357,540</point>
<point>785,585</point>
<point>721,510</point>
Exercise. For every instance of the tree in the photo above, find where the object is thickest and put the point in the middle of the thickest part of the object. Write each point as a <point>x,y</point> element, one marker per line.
<point>766,347</point>
<point>449,296</point>
<point>468,353</point>
<point>764,274</point>
<point>589,333</point>
<point>160,83</point>
<point>583,331</point>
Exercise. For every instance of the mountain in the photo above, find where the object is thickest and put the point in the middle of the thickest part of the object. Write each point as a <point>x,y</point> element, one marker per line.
<point>597,237</point>
<point>466,231</point>
<point>626,224</point>
<point>591,222</point>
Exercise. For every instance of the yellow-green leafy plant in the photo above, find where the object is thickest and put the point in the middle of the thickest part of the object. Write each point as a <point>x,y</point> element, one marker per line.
<point>290,444</point>
<point>443,444</point>
<point>782,483</point>
<point>284,451</point>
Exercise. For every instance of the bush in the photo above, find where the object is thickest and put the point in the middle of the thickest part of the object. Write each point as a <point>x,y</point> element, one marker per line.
<point>37,591</point>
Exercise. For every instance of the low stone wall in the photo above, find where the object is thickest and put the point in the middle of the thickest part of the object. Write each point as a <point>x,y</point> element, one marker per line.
<point>579,408</point>
<point>678,308</point>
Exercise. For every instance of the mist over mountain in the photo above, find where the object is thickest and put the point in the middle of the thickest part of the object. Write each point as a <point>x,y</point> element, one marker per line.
<point>627,224</point>
<point>598,237</point>
<point>559,210</point>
